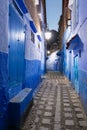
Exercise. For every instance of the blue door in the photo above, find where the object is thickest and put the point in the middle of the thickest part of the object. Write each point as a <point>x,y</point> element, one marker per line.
<point>76,74</point>
<point>16,47</point>
<point>70,66</point>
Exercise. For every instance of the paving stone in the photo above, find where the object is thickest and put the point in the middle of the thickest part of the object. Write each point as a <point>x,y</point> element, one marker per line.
<point>41,106</point>
<point>39,92</point>
<point>64,92</point>
<point>57,127</point>
<point>47,93</point>
<point>79,115</point>
<point>49,108</point>
<point>36,98</point>
<point>47,114</point>
<point>51,96</point>
<point>69,122</point>
<point>82,123</point>
<point>42,88</point>
<point>39,112</point>
<point>46,121</point>
<point>65,100</point>
<point>43,99</point>
<point>76,104</point>
<point>36,119</point>
<point>68,115</point>
<point>38,95</point>
<point>50,103</point>
<point>77,109</point>
<point>74,97</point>
<point>67,109</point>
<point>42,102</point>
<point>65,97</point>
<point>45,96</point>
<point>43,128</point>
<point>50,99</point>
<point>75,101</point>
<point>66,104</point>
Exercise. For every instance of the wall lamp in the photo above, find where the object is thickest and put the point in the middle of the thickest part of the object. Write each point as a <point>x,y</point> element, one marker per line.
<point>48,35</point>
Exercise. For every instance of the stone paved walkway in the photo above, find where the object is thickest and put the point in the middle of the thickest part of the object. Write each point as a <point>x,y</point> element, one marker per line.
<point>56,106</point>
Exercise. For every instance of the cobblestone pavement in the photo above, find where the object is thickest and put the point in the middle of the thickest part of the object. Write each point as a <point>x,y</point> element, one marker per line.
<point>56,106</point>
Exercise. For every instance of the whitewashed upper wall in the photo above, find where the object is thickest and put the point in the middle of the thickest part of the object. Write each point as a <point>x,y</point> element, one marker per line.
<point>82,10</point>
<point>32,52</point>
<point>4,26</point>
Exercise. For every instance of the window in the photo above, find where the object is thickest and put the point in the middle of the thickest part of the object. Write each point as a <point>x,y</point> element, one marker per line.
<point>68,22</point>
<point>32,37</point>
<point>38,45</point>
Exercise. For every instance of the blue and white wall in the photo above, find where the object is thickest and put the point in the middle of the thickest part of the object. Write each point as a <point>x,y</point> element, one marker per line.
<point>32,59</point>
<point>3,62</point>
<point>83,60</point>
<point>34,62</point>
<point>67,53</point>
<point>78,57</point>
<point>43,44</point>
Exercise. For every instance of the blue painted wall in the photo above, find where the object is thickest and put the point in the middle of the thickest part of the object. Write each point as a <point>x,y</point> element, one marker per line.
<point>3,64</point>
<point>32,74</point>
<point>81,30</point>
<point>34,61</point>
<point>82,61</point>
<point>83,87</point>
<point>3,89</point>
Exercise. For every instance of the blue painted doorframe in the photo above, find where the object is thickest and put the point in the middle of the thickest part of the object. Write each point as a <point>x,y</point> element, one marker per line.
<point>16,47</point>
<point>76,82</point>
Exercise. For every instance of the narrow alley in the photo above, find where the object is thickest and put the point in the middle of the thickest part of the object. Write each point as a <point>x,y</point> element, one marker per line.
<point>43,65</point>
<point>56,106</point>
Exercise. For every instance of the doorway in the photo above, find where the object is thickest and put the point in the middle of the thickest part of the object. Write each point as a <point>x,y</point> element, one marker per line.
<point>16,47</point>
<point>76,82</point>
